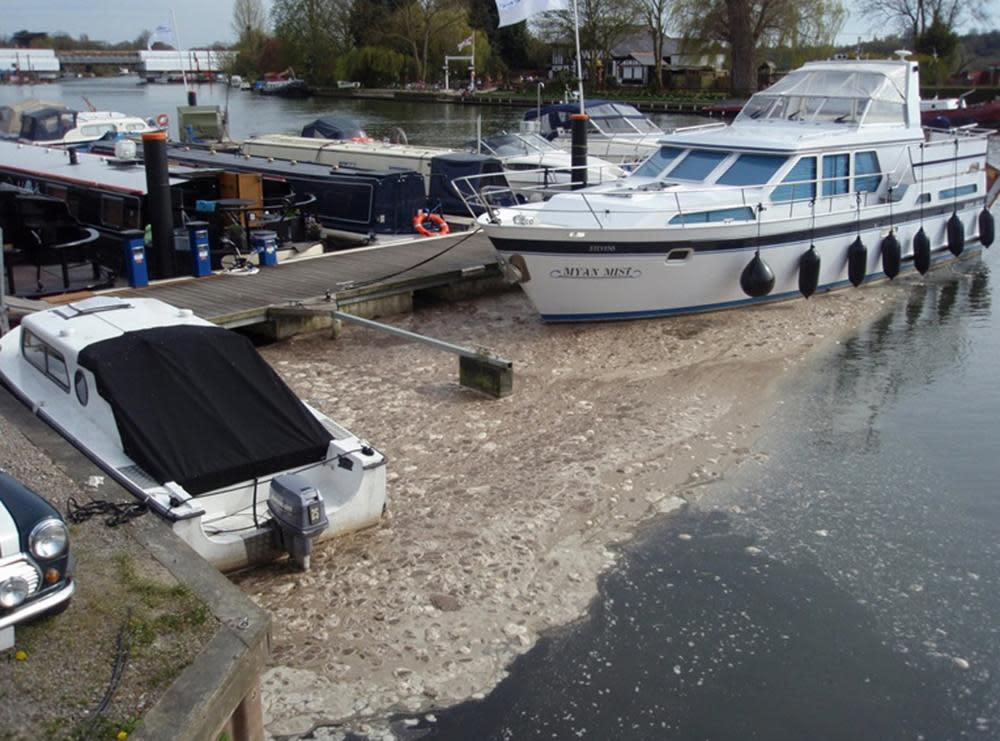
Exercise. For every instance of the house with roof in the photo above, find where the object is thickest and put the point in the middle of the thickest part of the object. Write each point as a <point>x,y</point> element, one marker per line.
<point>633,62</point>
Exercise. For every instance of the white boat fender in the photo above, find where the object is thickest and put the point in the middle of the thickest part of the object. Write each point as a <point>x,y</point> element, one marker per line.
<point>809,265</point>
<point>757,278</point>
<point>891,255</point>
<point>986,227</point>
<point>921,252</point>
<point>857,261</point>
<point>956,234</point>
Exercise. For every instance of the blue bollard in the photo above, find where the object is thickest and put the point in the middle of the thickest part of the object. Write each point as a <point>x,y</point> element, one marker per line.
<point>134,244</point>
<point>201,261</point>
<point>265,244</point>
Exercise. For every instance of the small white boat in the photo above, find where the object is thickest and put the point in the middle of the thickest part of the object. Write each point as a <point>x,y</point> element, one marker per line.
<point>616,132</point>
<point>824,180</point>
<point>192,421</point>
<point>529,159</point>
<point>63,127</point>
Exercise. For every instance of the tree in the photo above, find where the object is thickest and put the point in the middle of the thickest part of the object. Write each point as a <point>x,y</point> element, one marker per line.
<point>747,24</point>
<point>656,13</point>
<point>248,19</point>
<point>914,17</point>
<point>312,33</point>
<point>603,25</point>
<point>417,22</point>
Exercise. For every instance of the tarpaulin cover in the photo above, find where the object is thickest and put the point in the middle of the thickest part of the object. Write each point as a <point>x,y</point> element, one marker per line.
<point>446,167</point>
<point>333,127</point>
<point>199,406</point>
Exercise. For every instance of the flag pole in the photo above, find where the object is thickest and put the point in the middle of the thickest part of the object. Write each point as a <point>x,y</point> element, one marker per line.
<point>180,56</point>
<point>579,58</point>
<point>472,74</point>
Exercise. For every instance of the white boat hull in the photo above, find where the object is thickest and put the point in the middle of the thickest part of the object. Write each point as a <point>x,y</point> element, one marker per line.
<point>584,286</point>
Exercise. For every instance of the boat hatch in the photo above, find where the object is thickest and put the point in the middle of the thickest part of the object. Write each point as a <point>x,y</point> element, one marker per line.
<point>94,305</point>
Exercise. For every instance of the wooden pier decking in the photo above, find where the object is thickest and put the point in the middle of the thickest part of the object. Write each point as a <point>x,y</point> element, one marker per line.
<point>235,301</point>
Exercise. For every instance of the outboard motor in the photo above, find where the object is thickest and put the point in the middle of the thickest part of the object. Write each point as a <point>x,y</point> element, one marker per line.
<point>299,515</point>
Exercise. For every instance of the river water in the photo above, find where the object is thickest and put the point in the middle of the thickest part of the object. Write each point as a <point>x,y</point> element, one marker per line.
<point>438,124</point>
<point>846,588</point>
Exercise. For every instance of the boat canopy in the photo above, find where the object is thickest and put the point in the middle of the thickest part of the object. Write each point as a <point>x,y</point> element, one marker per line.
<point>333,127</point>
<point>199,406</point>
<point>824,94</point>
<point>47,124</point>
<point>10,115</point>
<point>608,117</point>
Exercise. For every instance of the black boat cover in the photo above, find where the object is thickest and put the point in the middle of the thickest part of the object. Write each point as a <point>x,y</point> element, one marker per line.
<point>199,406</point>
<point>446,167</point>
<point>333,127</point>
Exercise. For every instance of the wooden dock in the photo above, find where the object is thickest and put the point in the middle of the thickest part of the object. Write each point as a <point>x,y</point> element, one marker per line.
<point>360,276</point>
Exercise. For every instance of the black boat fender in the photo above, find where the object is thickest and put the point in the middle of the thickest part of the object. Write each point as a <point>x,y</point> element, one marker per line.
<point>891,255</point>
<point>757,278</point>
<point>986,227</point>
<point>921,252</point>
<point>956,235</point>
<point>857,261</point>
<point>809,271</point>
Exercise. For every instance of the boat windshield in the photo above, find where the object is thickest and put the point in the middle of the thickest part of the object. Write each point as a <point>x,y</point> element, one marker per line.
<point>514,145</point>
<point>617,118</point>
<point>657,162</point>
<point>832,96</point>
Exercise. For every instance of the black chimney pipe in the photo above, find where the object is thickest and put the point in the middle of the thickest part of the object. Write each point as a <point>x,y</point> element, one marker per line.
<point>578,149</point>
<point>192,97</point>
<point>159,209</point>
<point>73,160</point>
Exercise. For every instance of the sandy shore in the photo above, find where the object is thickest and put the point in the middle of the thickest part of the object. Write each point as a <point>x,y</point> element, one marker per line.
<point>503,513</point>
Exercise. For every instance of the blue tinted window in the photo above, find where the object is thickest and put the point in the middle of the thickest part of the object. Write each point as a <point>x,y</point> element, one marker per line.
<point>705,217</point>
<point>836,168</point>
<point>864,163</point>
<point>657,162</point>
<point>805,169</point>
<point>752,169</point>
<point>962,190</point>
<point>697,164</point>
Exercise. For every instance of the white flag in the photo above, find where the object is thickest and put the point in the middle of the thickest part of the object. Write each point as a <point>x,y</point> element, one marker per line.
<point>515,11</point>
<point>467,42</point>
<point>161,34</point>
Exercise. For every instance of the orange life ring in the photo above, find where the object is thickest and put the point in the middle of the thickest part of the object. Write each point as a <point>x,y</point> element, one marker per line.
<point>162,120</point>
<point>418,224</point>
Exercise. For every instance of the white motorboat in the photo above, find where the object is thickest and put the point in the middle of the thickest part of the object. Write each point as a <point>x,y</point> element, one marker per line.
<point>824,179</point>
<point>616,132</point>
<point>63,127</point>
<point>529,159</point>
<point>192,421</point>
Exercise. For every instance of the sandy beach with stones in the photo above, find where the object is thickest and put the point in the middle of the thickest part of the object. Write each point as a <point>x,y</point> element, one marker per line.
<point>503,513</point>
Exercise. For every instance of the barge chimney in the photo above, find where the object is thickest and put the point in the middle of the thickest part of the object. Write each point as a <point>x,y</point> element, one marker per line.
<point>159,209</point>
<point>192,97</point>
<point>578,150</point>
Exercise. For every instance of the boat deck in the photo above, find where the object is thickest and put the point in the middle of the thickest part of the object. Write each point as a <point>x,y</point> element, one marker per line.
<point>351,276</point>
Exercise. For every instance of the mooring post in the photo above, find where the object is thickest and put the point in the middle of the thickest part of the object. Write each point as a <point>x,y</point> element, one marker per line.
<point>160,208</point>
<point>578,150</point>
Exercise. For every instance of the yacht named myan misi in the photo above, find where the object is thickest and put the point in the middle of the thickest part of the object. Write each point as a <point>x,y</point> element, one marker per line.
<point>824,179</point>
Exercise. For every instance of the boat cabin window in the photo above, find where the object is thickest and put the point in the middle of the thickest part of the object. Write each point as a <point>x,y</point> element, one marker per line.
<point>97,130</point>
<point>721,215</point>
<point>752,169</point>
<point>802,179</point>
<point>962,190</point>
<point>698,164</point>
<point>657,162</point>
<point>836,173</point>
<point>865,163</point>
<point>113,211</point>
<point>44,358</point>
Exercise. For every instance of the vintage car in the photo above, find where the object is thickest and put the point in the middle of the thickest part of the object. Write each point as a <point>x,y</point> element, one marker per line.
<point>35,564</point>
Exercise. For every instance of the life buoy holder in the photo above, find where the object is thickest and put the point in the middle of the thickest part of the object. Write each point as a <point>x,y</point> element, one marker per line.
<point>419,228</point>
<point>162,120</point>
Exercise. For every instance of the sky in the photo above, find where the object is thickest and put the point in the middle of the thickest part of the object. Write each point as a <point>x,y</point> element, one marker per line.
<point>199,22</point>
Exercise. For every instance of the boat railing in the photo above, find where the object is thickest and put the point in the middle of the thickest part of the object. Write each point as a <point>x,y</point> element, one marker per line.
<point>699,127</point>
<point>823,196</point>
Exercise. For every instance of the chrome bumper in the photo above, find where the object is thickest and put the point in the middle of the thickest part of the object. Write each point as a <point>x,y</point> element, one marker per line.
<point>37,607</point>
